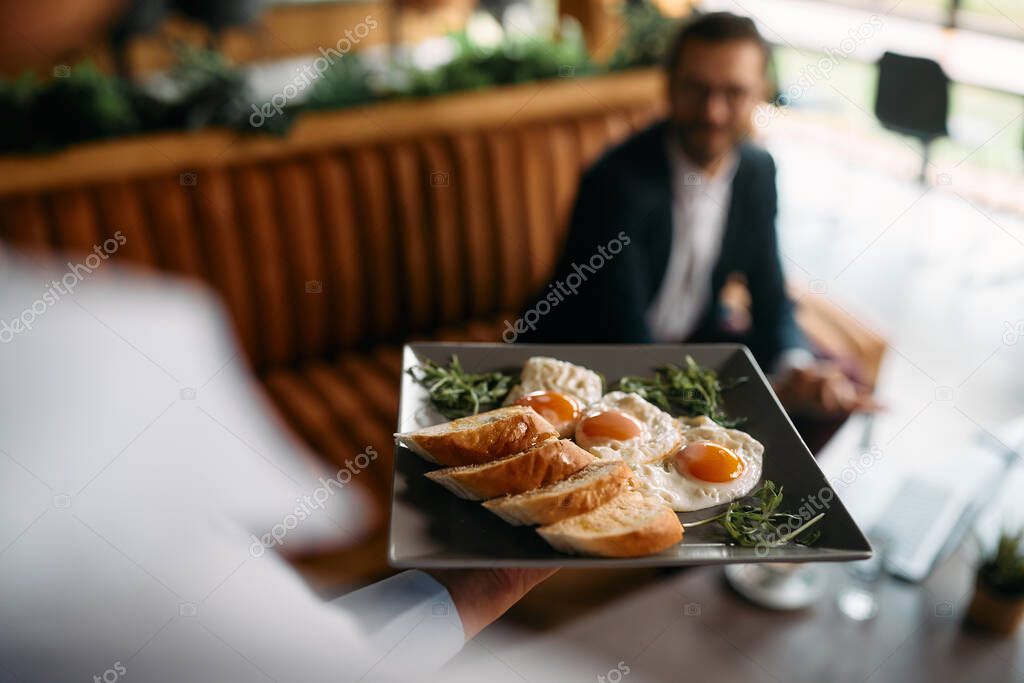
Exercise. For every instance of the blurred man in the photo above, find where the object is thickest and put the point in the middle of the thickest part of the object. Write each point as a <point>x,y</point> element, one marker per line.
<point>681,213</point>
<point>146,488</point>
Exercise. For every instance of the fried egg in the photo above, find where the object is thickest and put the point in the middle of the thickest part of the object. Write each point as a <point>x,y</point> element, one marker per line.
<point>557,390</point>
<point>712,465</point>
<point>625,426</point>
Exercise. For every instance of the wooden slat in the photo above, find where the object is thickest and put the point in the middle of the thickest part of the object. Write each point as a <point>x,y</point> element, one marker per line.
<point>172,226</point>
<point>300,223</point>
<point>266,241</point>
<point>509,217</point>
<point>224,237</point>
<point>342,246</point>
<point>121,210</point>
<point>538,204</point>
<point>373,198</point>
<point>565,162</point>
<point>23,222</point>
<point>471,169</point>
<point>314,420</point>
<point>411,224</point>
<point>377,385</point>
<point>75,222</point>
<point>353,416</point>
<point>447,236</point>
<point>593,139</point>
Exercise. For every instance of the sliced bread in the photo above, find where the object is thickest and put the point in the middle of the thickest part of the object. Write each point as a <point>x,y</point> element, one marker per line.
<point>630,525</point>
<point>592,486</point>
<point>541,465</point>
<point>479,438</point>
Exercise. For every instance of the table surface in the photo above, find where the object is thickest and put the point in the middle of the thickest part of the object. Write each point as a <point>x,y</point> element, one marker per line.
<point>690,626</point>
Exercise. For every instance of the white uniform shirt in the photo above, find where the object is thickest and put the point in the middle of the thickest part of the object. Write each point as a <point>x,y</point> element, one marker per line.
<point>141,471</point>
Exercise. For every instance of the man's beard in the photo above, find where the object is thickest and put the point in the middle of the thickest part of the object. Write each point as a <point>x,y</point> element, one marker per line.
<point>693,139</point>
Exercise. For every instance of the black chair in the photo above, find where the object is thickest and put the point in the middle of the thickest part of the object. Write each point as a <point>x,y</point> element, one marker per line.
<point>912,98</point>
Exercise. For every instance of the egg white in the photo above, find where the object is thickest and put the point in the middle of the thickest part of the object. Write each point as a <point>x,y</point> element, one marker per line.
<point>659,438</point>
<point>540,373</point>
<point>578,384</point>
<point>685,493</point>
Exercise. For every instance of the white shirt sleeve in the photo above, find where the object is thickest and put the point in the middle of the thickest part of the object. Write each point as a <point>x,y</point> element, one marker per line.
<point>411,618</point>
<point>146,488</point>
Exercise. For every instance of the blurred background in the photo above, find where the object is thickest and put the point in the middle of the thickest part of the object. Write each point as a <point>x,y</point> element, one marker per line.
<point>349,175</point>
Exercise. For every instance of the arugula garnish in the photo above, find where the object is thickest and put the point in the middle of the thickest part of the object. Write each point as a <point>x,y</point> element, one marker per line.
<point>691,391</point>
<point>456,393</point>
<point>761,523</point>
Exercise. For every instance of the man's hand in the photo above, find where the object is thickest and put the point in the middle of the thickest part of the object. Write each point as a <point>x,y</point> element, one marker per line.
<point>822,390</point>
<point>483,595</point>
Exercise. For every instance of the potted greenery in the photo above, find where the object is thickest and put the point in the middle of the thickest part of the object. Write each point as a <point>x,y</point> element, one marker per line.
<point>998,603</point>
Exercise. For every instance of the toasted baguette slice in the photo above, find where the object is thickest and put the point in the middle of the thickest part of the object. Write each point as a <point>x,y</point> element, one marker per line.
<point>630,525</point>
<point>541,465</point>
<point>592,486</point>
<point>479,438</point>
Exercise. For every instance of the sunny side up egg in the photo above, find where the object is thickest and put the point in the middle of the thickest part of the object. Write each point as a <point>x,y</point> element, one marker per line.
<point>624,426</point>
<point>713,465</point>
<point>557,390</point>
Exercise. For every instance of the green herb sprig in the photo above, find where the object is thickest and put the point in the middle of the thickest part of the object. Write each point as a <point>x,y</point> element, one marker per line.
<point>689,390</point>
<point>456,393</point>
<point>761,524</point>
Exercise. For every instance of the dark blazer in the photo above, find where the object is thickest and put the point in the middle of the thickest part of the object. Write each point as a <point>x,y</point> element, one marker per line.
<point>624,205</point>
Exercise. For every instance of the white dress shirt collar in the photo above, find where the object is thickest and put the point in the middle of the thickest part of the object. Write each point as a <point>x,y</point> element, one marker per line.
<point>687,174</point>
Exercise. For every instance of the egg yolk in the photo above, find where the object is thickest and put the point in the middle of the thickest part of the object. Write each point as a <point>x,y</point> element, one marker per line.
<point>709,462</point>
<point>610,425</point>
<point>554,407</point>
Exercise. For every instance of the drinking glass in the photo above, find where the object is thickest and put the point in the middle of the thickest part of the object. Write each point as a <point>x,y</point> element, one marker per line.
<point>858,596</point>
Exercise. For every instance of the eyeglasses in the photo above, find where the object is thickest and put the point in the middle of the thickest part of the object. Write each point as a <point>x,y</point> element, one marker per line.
<point>693,93</point>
